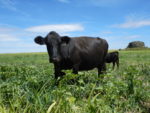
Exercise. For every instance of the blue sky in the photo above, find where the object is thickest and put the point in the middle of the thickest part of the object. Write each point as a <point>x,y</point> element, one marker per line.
<point>117,21</point>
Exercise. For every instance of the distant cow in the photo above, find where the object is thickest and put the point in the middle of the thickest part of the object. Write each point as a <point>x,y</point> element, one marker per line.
<point>78,53</point>
<point>113,57</point>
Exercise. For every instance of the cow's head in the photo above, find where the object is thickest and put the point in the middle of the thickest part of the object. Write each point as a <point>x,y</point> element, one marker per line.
<point>53,42</point>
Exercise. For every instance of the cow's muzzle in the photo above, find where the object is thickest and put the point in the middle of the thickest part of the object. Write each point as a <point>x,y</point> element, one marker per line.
<point>55,60</point>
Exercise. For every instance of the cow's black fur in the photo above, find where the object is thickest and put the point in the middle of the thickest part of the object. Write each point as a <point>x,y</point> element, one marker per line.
<point>77,53</point>
<point>113,57</point>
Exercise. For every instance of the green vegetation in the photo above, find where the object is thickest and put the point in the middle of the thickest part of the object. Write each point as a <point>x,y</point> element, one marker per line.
<point>138,48</point>
<point>27,85</point>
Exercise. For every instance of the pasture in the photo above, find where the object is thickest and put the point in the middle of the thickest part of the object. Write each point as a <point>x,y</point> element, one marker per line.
<point>27,85</point>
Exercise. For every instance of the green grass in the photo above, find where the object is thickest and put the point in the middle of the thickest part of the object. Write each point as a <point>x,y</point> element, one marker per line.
<point>27,85</point>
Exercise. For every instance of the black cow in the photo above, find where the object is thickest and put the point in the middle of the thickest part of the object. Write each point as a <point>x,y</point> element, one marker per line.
<point>113,57</point>
<point>78,53</point>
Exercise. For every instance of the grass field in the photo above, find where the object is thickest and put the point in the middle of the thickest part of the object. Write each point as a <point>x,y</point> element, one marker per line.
<point>27,85</point>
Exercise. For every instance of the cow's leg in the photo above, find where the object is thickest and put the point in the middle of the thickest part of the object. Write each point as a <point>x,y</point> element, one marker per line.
<point>104,67</point>
<point>76,68</point>
<point>100,71</point>
<point>113,65</point>
<point>58,71</point>
<point>117,62</point>
<point>101,68</point>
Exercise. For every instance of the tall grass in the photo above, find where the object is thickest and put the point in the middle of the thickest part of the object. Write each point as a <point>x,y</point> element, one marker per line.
<point>27,85</point>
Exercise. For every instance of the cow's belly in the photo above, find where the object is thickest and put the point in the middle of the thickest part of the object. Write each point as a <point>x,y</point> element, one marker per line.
<point>91,61</point>
<point>86,67</point>
<point>89,65</point>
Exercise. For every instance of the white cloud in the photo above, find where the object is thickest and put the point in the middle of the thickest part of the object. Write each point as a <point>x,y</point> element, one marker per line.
<point>14,39</point>
<point>6,29</point>
<point>7,37</point>
<point>19,47</point>
<point>62,28</point>
<point>64,1</point>
<point>133,24</point>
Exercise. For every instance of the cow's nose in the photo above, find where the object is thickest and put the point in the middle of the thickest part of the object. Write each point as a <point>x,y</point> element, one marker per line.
<point>55,59</point>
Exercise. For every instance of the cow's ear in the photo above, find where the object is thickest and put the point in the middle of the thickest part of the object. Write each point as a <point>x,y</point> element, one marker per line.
<point>65,39</point>
<point>39,40</point>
